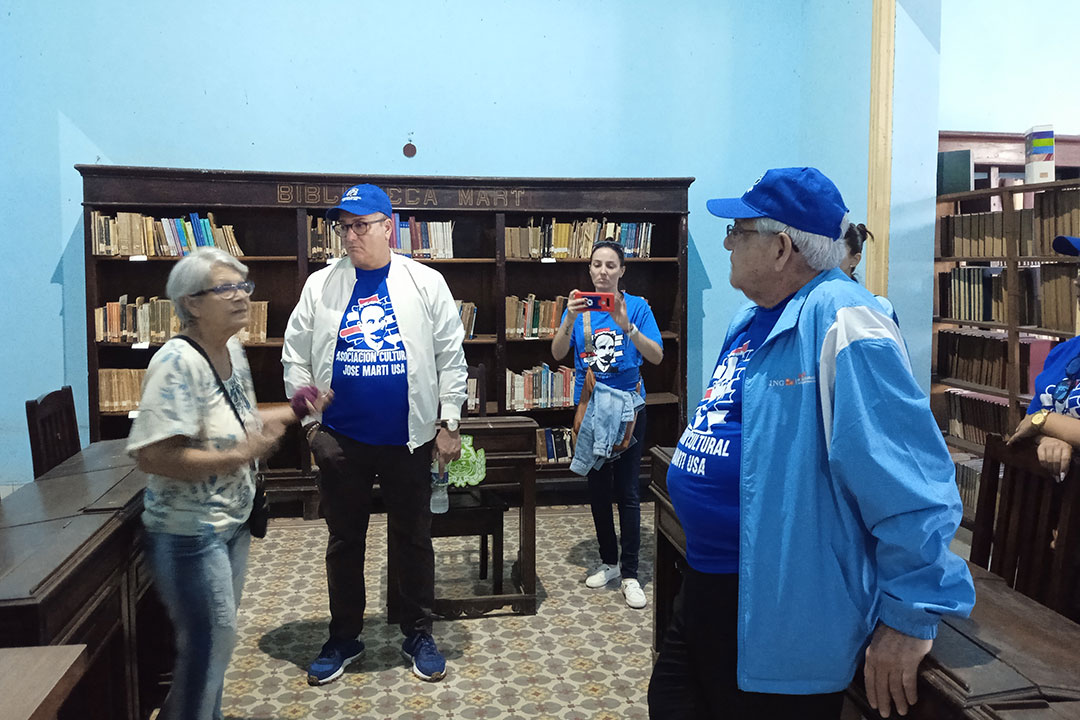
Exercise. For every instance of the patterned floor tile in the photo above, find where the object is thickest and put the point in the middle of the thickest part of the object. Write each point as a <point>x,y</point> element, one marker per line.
<point>584,656</point>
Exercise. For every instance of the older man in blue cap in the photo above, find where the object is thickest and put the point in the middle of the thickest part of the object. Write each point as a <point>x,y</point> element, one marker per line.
<point>816,492</point>
<point>383,333</point>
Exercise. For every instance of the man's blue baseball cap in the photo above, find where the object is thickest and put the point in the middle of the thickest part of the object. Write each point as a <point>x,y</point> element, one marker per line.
<point>1067,245</point>
<point>800,197</point>
<point>362,200</point>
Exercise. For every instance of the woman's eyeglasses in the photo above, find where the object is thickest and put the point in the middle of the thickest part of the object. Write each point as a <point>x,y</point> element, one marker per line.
<point>228,292</point>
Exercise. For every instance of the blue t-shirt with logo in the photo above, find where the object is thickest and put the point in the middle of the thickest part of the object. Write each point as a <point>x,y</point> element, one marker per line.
<point>371,389</point>
<point>703,479</point>
<point>615,360</point>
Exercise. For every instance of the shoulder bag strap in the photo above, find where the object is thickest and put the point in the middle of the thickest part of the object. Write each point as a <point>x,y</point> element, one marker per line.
<point>217,377</point>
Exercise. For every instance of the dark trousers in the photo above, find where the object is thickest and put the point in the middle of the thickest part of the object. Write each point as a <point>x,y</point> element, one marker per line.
<point>348,469</point>
<point>694,676</point>
<point>619,481</point>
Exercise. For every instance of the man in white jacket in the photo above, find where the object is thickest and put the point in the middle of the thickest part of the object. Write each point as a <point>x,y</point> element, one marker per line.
<point>395,409</point>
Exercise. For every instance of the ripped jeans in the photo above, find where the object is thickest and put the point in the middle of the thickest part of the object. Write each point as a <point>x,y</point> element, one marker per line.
<point>199,579</point>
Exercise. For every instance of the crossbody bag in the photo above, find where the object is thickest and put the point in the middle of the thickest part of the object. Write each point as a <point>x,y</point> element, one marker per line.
<point>260,510</point>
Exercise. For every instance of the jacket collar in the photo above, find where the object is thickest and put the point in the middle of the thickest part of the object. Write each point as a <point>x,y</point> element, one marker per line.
<point>789,318</point>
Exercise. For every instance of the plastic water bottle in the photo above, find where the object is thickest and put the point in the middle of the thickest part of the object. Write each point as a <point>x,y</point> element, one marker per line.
<point>440,501</point>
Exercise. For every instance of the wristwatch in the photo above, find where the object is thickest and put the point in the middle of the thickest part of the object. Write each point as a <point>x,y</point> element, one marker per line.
<point>1038,419</point>
<point>451,425</point>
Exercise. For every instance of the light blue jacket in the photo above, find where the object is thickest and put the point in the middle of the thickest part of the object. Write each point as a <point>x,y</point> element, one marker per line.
<point>604,426</point>
<point>848,495</point>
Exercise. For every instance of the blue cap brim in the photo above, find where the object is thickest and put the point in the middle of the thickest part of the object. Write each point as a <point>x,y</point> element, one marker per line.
<point>733,208</point>
<point>1067,245</point>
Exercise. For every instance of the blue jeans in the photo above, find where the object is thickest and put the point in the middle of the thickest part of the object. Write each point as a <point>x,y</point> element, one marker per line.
<point>199,579</point>
<point>618,480</point>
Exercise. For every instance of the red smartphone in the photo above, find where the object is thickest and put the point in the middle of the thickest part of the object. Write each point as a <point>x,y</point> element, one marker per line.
<point>598,300</point>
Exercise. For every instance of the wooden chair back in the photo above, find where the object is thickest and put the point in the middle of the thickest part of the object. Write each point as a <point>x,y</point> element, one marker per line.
<point>1020,506</point>
<point>54,431</point>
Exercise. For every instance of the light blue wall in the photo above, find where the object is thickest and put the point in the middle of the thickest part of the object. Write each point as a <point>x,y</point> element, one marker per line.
<point>717,89</point>
<point>1007,65</point>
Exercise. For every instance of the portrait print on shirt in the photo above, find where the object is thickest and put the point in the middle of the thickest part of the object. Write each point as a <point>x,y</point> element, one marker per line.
<point>607,351</point>
<point>371,329</point>
<point>716,403</point>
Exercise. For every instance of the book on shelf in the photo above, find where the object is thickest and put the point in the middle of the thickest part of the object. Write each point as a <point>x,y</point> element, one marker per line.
<point>981,357</point>
<point>554,445</point>
<point>1057,296</point>
<point>119,389</point>
<point>968,472</point>
<point>562,240</point>
<point>983,234</point>
<point>467,313</point>
<point>973,415</point>
<point>539,387</point>
<point>130,234</point>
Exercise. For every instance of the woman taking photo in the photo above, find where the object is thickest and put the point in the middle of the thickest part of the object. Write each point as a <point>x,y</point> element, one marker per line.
<point>198,436</point>
<point>617,343</point>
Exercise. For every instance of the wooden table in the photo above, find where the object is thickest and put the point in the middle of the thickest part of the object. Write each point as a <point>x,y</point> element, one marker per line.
<point>35,681</point>
<point>1013,658</point>
<point>72,572</point>
<point>509,444</point>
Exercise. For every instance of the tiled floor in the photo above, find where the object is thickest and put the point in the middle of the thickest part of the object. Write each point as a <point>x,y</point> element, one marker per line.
<point>584,656</point>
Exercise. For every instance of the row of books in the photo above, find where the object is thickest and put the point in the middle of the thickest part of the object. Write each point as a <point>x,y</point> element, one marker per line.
<point>984,234</point>
<point>467,313</point>
<point>532,318</point>
<point>981,357</point>
<point>540,387</point>
<point>973,416</point>
<point>415,238</point>
<point>968,472</point>
<point>1047,296</point>
<point>154,320</point>
<point>133,234</point>
<point>554,445</point>
<point>565,240</point>
<point>119,389</point>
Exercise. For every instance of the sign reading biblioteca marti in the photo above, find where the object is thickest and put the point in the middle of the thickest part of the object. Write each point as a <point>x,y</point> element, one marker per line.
<point>419,197</point>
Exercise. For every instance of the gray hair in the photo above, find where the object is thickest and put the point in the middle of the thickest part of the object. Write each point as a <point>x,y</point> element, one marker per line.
<point>821,252</point>
<point>192,275</point>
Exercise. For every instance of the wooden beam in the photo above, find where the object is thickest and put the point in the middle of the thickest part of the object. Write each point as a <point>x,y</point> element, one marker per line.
<point>879,181</point>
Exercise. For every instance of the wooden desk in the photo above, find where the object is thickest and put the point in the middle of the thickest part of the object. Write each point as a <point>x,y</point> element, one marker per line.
<point>509,444</point>
<point>72,572</point>
<point>35,681</point>
<point>1013,658</point>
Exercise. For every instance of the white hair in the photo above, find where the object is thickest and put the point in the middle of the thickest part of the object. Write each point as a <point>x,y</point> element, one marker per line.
<point>821,252</point>
<point>192,274</point>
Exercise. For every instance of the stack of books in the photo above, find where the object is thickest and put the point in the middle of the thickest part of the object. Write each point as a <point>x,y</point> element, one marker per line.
<point>554,445</point>
<point>540,387</point>
<point>570,240</point>
<point>130,234</point>
<point>532,318</point>
<point>119,390</point>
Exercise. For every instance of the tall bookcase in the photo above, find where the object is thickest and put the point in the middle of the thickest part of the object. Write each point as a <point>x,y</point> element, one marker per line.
<point>1003,298</point>
<point>272,215</point>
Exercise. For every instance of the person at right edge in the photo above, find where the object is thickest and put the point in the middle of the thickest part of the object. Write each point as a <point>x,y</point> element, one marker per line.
<point>816,492</point>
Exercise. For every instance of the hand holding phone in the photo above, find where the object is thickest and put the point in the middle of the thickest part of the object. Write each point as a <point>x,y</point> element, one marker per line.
<point>598,300</point>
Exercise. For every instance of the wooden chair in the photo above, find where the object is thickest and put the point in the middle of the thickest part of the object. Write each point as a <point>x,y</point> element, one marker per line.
<point>54,431</point>
<point>1019,507</point>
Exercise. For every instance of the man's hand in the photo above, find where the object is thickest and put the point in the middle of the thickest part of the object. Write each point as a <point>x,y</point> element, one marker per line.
<point>447,447</point>
<point>891,669</point>
<point>1054,455</point>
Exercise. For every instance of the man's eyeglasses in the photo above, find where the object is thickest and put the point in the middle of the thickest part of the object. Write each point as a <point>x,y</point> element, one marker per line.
<point>228,292</point>
<point>360,227</point>
<point>734,231</point>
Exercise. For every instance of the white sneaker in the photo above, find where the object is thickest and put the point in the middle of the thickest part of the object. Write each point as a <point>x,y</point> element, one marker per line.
<point>602,575</point>
<point>635,596</point>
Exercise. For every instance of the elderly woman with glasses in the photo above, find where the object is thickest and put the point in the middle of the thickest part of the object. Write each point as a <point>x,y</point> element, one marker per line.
<point>198,436</point>
<point>612,345</point>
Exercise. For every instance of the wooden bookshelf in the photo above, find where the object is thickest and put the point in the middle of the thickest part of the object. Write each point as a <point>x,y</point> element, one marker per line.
<point>272,213</point>
<point>1047,213</point>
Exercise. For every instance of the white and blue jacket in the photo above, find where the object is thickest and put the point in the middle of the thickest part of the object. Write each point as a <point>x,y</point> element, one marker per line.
<point>848,499</point>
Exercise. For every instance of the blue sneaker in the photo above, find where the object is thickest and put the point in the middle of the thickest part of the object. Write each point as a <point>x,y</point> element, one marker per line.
<point>333,658</point>
<point>428,662</point>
